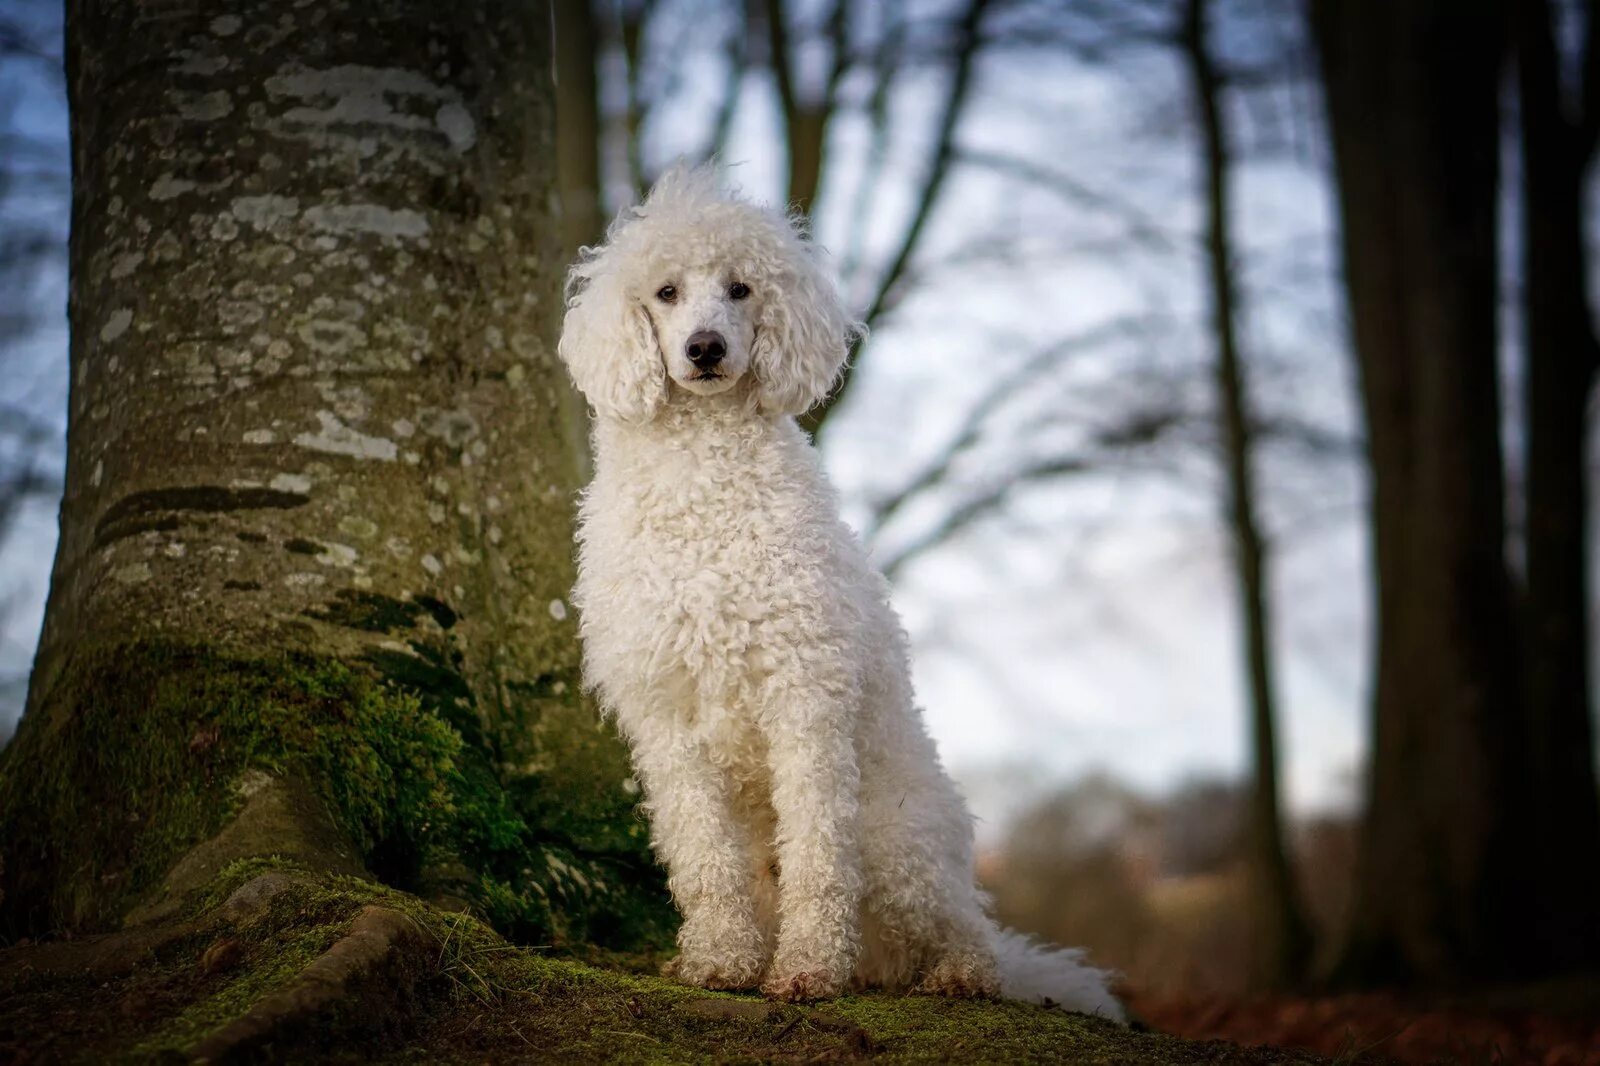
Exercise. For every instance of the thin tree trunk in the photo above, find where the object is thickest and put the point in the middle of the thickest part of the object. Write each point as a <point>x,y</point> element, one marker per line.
<point>309,598</point>
<point>630,25</point>
<point>1412,103</point>
<point>1282,950</point>
<point>805,122</point>
<point>578,124</point>
<point>1561,358</point>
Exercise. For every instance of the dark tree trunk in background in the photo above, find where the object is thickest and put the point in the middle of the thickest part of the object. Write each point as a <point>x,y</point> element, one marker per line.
<point>1413,110</point>
<point>578,125</point>
<point>1282,951</point>
<point>1557,144</point>
<point>309,598</point>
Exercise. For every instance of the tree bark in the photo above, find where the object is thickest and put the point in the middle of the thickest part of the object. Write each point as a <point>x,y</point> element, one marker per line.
<point>1412,103</point>
<point>1282,951</point>
<point>309,598</point>
<point>1557,149</point>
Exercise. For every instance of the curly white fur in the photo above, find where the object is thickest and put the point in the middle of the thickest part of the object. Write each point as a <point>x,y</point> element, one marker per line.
<point>735,629</point>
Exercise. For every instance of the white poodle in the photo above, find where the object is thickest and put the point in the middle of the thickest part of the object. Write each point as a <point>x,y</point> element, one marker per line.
<point>745,646</point>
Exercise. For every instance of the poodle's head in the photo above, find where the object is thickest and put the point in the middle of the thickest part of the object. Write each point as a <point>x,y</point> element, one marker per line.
<point>694,292</point>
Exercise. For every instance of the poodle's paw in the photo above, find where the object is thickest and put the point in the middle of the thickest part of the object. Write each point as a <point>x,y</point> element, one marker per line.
<point>962,976</point>
<point>719,947</point>
<point>722,975</point>
<point>804,985</point>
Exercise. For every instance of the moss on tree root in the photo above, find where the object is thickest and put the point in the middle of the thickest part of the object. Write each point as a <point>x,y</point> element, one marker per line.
<point>458,992</point>
<point>172,760</point>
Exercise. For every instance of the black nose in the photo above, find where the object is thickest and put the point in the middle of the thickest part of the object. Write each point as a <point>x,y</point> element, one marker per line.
<point>706,349</point>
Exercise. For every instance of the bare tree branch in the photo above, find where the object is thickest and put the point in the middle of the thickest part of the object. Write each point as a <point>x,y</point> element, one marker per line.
<point>886,64</point>
<point>25,472</point>
<point>970,433</point>
<point>966,53</point>
<point>978,506</point>
<point>1141,227</point>
<point>16,43</point>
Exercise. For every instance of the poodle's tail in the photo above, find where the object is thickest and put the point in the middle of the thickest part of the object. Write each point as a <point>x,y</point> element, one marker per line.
<point>1041,973</point>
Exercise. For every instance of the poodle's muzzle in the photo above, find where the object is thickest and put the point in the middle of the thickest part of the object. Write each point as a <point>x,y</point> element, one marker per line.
<point>705,349</point>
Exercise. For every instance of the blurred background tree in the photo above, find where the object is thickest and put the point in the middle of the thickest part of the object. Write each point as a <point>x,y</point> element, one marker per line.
<point>1480,846</point>
<point>1413,97</point>
<point>1559,128</point>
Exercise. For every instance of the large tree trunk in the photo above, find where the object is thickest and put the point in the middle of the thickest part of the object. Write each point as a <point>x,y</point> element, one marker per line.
<point>1413,110</point>
<point>1282,951</point>
<point>309,598</point>
<point>1557,150</point>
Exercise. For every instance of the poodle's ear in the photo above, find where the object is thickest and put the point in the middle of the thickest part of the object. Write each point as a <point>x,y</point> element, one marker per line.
<point>802,338</point>
<point>609,345</point>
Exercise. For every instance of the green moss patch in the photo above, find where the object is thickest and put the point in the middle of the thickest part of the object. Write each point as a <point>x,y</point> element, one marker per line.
<point>535,1009</point>
<point>555,848</point>
<point>159,746</point>
<point>96,803</point>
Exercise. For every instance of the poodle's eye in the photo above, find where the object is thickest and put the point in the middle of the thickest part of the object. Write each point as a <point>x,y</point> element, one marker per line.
<point>666,294</point>
<point>738,290</point>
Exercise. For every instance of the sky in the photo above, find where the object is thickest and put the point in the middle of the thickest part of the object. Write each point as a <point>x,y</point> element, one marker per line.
<point>1089,624</point>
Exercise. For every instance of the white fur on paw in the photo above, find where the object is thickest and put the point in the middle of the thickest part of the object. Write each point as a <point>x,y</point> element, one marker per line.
<point>963,976</point>
<point>722,975</point>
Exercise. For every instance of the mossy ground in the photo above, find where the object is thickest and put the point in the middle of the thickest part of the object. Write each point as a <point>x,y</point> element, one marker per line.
<point>472,997</point>
<point>96,806</point>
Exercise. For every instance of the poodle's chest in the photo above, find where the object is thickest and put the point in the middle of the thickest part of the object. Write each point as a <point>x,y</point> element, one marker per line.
<point>709,541</point>
<point>711,602</point>
<point>697,597</point>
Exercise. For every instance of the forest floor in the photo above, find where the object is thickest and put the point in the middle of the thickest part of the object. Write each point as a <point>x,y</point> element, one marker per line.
<point>1549,1025</point>
<point>275,963</point>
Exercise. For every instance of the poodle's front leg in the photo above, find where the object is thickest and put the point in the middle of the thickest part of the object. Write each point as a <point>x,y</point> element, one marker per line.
<point>814,793</point>
<point>705,849</point>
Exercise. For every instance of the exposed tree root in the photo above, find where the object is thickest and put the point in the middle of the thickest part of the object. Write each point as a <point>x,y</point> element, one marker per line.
<point>375,965</point>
